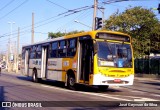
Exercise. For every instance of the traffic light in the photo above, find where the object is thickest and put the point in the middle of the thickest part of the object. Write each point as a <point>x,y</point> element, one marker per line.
<point>98,22</point>
<point>158,8</point>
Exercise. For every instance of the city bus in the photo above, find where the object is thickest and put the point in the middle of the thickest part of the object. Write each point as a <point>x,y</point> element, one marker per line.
<point>96,58</point>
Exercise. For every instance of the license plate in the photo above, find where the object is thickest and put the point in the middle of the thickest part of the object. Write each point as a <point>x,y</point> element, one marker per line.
<point>117,80</point>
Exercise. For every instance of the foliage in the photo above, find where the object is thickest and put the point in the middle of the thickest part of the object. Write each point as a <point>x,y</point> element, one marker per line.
<point>141,24</point>
<point>60,34</point>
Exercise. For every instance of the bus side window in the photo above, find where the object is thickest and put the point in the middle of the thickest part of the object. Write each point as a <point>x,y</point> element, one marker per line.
<point>33,52</point>
<point>39,51</point>
<point>23,53</point>
<point>62,50</point>
<point>71,47</point>
<point>53,49</point>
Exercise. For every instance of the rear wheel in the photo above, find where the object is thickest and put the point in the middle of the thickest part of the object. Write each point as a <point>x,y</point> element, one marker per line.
<point>34,76</point>
<point>71,82</point>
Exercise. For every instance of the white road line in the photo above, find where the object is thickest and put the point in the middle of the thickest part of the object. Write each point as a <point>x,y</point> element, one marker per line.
<point>57,88</point>
<point>138,92</point>
<point>95,94</point>
<point>155,95</point>
<point>145,99</point>
<point>134,98</point>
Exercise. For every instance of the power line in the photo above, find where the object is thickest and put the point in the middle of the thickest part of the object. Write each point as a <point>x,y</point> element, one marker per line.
<point>14,9</point>
<point>7,5</point>
<point>56,4</point>
<point>114,1</point>
<point>61,27</point>
<point>67,13</point>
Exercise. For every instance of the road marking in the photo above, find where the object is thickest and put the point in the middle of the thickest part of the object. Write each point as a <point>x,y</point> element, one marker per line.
<point>105,95</point>
<point>87,93</point>
<point>138,92</point>
<point>57,88</point>
<point>145,99</point>
<point>155,95</point>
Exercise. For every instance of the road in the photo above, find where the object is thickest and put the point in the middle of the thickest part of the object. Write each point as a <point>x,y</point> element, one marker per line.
<point>16,87</point>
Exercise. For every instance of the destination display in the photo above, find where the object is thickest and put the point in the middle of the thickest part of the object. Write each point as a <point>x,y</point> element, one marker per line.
<point>113,37</point>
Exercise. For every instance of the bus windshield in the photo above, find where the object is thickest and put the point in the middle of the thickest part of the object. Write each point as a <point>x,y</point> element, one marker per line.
<point>114,54</point>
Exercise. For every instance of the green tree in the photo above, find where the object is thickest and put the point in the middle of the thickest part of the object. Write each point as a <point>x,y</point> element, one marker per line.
<point>55,35</point>
<point>137,22</point>
<point>60,34</point>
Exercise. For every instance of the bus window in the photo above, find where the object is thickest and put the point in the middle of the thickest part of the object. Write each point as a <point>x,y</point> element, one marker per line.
<point>62,51</point>
<point>23,53</point>
<point>53,49</point>
<point>71,47</point>
<point>33,52</point>
<point>39,51</point>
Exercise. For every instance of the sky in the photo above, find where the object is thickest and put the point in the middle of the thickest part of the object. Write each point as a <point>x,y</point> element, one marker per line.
<point>53,16</point>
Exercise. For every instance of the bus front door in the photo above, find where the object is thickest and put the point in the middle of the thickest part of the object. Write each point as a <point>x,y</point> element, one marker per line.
<point>26,65</point>
<point>86,59</point>
<point>44,61</point>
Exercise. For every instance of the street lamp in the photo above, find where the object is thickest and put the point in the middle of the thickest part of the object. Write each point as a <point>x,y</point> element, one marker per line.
<point>82,23</point>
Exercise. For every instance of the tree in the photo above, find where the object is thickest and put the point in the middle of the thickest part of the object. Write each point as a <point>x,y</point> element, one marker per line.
<point>137,22</point>
<point>55,35</point>
<point>60,34</point>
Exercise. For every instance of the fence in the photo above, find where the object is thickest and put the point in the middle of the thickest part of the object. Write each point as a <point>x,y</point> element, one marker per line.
<point>147,66</point>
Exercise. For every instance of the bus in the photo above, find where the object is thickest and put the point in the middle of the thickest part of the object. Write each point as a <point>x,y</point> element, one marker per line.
<point>98,58</point>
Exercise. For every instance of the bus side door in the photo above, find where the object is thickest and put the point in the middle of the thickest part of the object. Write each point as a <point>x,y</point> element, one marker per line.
<point>26,65</point>
<point>86,60</point>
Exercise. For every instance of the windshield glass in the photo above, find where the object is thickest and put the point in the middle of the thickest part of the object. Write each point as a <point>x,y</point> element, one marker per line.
<point>114,54</point>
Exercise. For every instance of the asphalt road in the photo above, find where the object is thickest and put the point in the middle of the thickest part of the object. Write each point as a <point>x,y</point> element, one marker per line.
<point>53,95</point>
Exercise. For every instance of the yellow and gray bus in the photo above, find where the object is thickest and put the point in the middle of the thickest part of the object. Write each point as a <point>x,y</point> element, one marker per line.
<point>98,58</point>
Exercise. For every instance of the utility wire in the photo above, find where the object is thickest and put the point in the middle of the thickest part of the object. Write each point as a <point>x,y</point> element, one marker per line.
<point>62,27</point>
<point>7,5</point>
<point>67,13</point>
<point>114,1</point>
<point>56,4</point>
<point>14,9</point>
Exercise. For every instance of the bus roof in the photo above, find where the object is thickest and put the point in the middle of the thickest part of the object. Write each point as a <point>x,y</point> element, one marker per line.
<point>91,33</point>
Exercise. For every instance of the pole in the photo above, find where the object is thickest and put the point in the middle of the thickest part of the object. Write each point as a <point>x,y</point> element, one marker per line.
<point>7,58</point>
<point>94,14</point>
<point>103,20</point>
<point>32,28</point>
<point>9,47</point>
<point>17,55</point>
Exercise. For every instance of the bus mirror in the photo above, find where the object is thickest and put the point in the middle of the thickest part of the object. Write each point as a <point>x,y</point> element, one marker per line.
<point>95,48</point>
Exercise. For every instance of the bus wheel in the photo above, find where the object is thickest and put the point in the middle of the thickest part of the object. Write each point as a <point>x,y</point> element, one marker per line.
<point>34,76</point>
<point>103,87</point>
<point>71,82</point>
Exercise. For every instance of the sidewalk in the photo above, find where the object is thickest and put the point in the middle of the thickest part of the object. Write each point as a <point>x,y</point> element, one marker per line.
<point>12,72</point>
<point>147,79</point>
<point>147,76</point>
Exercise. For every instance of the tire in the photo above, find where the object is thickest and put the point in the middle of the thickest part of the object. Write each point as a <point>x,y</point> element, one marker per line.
<point>71,82</point>
<point>103,87</point>
<point>34,76</point>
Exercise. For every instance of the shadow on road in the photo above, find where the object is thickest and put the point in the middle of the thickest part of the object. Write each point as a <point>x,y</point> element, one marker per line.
<point>2,97</point>
<point>153,83</point>
<point>24,78</point>
<point>78,87</point>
